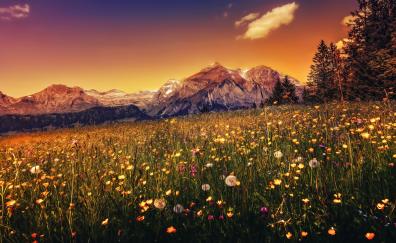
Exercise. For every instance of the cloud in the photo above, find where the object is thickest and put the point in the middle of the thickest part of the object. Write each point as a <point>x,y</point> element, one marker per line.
<point>270,21</point>
<point>348,20</point>
<point>246,19</point>
<point>18,11</point>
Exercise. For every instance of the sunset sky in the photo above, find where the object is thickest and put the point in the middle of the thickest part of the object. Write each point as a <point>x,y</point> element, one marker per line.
<point>138,45</point>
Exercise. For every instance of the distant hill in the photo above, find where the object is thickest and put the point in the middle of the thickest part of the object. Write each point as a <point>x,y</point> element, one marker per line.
<point>92,116</point>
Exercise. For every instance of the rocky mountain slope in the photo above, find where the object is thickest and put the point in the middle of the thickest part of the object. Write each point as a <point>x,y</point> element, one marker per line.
<point>216,88</point>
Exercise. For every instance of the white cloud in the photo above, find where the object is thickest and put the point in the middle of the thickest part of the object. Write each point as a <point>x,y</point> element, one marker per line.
<point>246,19</point>
<point>15,12</point>
<point>347,20</point>
<point>270,21</point>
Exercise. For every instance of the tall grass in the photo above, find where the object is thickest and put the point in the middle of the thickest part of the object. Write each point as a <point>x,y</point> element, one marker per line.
<point>301,174</point>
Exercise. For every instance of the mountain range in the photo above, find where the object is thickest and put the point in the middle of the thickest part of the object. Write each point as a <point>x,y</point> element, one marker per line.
<point>214,88</point>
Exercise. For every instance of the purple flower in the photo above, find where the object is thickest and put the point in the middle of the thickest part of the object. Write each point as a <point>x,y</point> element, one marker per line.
<point>264,210</point>
<point>210,217</point>
<point>193,170</point>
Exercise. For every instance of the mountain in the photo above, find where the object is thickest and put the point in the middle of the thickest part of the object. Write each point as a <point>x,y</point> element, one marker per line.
<point>5,102</point>
<point>54,99</point>
<point>116,97</point>
<point>216,88</point>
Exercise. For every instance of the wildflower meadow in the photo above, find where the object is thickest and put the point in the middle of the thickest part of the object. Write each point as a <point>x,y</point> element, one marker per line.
<point>277,174</point>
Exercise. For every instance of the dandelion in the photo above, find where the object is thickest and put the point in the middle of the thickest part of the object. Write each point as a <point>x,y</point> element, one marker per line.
<point>369,235</point>
<point>171,230</point>
<point>278,154</point>
<point>313,163</point>
<point>209,165</point>
<point>231,181</point>
<point>35,170</point>
<point>205,187</point>
<point>160,203</point>
<point>178,208</point>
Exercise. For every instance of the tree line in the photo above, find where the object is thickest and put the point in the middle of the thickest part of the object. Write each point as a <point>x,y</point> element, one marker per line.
<point>363,68</point>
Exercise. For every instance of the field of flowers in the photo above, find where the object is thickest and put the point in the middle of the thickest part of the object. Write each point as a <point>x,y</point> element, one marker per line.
<point>288,173</point>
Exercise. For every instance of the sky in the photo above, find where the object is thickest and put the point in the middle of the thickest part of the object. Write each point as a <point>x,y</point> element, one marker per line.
<point>138,45</point>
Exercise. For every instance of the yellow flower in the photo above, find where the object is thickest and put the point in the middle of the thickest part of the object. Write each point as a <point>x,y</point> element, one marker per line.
<point>105,222</point>
<point>199,213</point>
<point>370,235</point>
<point>171,230</point>
<point>160,203</point>
<point>380,206</point>
<point>289,235</point>
<point>168,192</point>
<point>385,201</point>
<point>305,200</point>
<point>337,200</point>
<point>10,203</point>
<point>140,218</point>
<point>304,234</point>
<point>365,135</point>
<point>230,214</point>
<point>331,231</point>
<point>277,182</point>
<point>39,201</point>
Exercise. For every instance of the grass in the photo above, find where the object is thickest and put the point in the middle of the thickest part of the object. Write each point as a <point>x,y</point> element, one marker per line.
<point>289,173</point>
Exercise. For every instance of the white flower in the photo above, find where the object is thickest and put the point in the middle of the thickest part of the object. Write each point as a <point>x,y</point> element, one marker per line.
<point>35,169</point>
<point>231,181</point>
<point>313,163</point>
<point>299,159</point>
<point>178,208</point>
<point>209,165</point>
<point>205,187</point>
<point>278,154</point>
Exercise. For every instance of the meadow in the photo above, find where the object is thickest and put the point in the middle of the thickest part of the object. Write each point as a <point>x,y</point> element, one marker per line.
<point>278,174</point>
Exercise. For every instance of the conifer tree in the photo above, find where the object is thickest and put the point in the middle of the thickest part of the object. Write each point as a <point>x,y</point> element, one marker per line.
<point>289,91</point>
<point>277,93</point>
<point>371,50</point>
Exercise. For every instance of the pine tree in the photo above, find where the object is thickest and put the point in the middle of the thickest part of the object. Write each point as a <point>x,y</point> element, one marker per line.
<point>277,93</point>
<point>320,78</point>
<point>336,89</point>
<point>371,50</point>
<point>289,93</point>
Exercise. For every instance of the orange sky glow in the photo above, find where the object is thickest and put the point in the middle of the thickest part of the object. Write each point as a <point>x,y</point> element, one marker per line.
<point>141,54</point>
